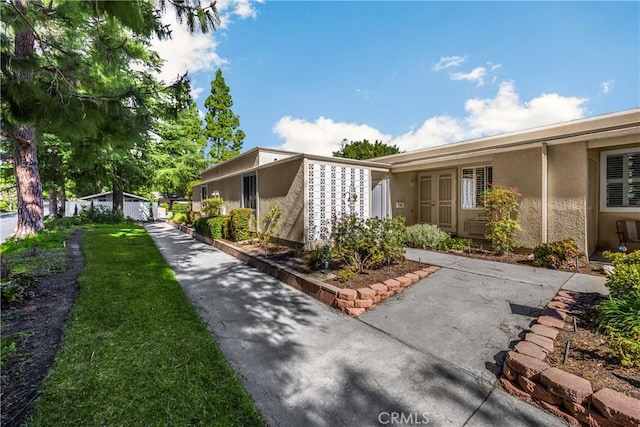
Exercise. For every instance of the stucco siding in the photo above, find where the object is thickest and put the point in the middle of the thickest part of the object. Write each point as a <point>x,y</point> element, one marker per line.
<point>402,191</point>
<point>522,170</point>
<point>284,186</point>
<point>568,179</point>
<point>232,166</point>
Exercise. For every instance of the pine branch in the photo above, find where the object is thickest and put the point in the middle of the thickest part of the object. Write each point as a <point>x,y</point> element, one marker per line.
<point>15,137</point>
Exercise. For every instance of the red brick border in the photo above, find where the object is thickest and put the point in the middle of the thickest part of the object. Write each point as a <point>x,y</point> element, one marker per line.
<point>528,377</point>
<point>351,301</point>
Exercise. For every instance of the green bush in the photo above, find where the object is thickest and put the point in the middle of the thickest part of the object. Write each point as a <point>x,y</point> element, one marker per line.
<point>180,208</point>
<point>619,318</point>
<point>425,236</point>
<point>555,255</point>
<point>625,277</point>
<point>18,288</point>
<point>212,207</point>
<point>210,227</point>
<point>500,204</point>
<point>269,224</point>
<point>315,259</point>
<point>180,218</point>
<point>62,222</point>
<point>369,243</point>
<point>100,215</point>
<point>4,206</point>
<point>454,243</point>
<point>239,220</point>
<point>226,229</point>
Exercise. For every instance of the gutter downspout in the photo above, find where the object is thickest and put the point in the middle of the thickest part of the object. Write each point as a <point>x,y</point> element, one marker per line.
<point>545,194</point>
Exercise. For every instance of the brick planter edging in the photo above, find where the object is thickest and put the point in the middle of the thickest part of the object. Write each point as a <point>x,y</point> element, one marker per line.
<point>526,375</point>
<point>352,301</point>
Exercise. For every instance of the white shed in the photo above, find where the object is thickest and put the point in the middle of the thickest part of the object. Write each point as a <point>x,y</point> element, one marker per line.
<point>135,207</point>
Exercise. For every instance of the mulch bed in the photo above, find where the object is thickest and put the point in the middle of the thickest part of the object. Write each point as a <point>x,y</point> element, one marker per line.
<point>297,260</point>
<point>37,325</point>
<point>589,355</point>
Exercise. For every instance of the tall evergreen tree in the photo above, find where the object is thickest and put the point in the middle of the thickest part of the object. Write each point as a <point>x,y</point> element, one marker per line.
<point>222,124</point>
<point>363,150</point>
<point>66,70</point>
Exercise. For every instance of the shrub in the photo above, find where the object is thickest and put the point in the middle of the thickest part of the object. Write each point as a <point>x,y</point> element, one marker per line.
<point>212,206</point>
<point>425,236</point>
<point>18,288</point>
<point>100,215</point>
<point>454,243</point>
<point>555,255</point>
<point>210,227</point>
<point>239,220</point>
<point>625,278</point>
<point>345,275</point>
<point>315,260</point>
<point>180,218</point>
<point>371,243</point>
<point>500,204</point>
<point>226,229</point>
<point>619,318</point>
<point>180,208</point>
<point>4,206</point>
<point>269,224</point>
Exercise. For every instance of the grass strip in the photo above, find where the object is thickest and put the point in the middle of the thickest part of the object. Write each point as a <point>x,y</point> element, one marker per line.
<point>135,351</point>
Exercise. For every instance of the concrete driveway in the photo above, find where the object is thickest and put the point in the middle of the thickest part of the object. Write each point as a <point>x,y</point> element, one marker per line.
<point>425,357</point>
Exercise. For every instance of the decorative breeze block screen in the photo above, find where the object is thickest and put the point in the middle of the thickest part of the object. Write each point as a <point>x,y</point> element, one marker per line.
<point>334,191</point>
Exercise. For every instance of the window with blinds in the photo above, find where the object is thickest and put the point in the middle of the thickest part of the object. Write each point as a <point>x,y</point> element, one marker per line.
<point>622,179</point>
<point>474,182</point>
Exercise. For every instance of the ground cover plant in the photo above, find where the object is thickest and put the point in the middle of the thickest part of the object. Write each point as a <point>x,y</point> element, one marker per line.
<point>135,351</point>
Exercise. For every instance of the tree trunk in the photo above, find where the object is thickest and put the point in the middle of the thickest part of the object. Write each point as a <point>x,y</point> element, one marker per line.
<point>118,200</point>
<point>29,187</point>
<point>53,202</point>
<point>25,160</point>
<point>63,199</point>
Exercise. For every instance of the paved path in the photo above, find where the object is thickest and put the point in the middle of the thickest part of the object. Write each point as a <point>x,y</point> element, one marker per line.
<point>305,364</point>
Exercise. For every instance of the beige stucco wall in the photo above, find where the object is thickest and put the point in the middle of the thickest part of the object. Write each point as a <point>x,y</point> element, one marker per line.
<point>235,165</point>
<point>567,201</point>
<point>284,185</point>
<point>522,170</point>
<point>230,190</point>
<point>402,191</point>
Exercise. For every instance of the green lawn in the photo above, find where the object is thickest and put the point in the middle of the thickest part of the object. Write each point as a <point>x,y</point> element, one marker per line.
<point>135,351</point>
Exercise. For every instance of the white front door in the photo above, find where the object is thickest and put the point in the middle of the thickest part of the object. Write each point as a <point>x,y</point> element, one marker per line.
<point>437,199</point>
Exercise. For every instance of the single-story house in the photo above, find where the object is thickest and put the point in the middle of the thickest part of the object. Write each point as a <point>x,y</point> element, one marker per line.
<point>135,207</point>
<point>576,180</point>
<point>311,190</point>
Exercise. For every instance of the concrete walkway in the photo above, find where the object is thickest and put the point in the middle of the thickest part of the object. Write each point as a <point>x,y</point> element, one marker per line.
<point>307,364</point>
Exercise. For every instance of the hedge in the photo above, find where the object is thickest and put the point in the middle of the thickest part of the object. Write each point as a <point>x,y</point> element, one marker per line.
<point>211,226</point>
<point>239,220</point>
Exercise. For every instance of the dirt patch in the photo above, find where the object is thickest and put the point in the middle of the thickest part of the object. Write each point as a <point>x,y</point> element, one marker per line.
<point>36,327</point>
<point>589,355</point>
<point>299,261</point>
<point>525,258</point>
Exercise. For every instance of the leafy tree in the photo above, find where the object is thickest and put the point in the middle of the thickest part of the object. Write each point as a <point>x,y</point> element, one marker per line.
<point>55,81</point>
<point>178,153</point>
<point>363,150</point>
<point>221,123</point>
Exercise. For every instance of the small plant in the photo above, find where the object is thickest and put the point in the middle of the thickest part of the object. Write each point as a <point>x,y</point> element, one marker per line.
<point>17,289</point>
<point>454,243</point>
<point>625,277</point>
<point>619,318</point>
<point>239,221</point>
<point>212,206</point>
<point>555,255</point>
<point>315,260</point>
<point>425,236</point>
<point>500,204</point>
<point>269,224</point>
<point>369,243</point>
<point>180,218</point>
<point>345,275</point>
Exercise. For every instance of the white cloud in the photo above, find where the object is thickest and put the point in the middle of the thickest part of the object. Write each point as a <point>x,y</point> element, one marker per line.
<point>196,91</point>
<point>506,113</point>
<point>503,113</point>
<point>449,61</point>
<point>322,136</point>
<point>186,52</point>
<point>607,86</point>
<point>476,75</point>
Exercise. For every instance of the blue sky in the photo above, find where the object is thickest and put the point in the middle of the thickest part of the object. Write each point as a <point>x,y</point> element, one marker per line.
<point>306,75</point>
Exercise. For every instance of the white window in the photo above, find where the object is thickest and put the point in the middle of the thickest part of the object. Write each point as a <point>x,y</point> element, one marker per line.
<point>474,182</point>
<point>620,180</point>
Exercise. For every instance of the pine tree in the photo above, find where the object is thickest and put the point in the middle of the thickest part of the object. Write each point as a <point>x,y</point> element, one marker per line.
<point>222,124</point>
<point>66,70</point>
